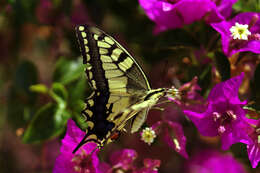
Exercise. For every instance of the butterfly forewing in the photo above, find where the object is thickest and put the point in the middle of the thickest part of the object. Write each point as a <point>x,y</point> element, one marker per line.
<point>113,67</point>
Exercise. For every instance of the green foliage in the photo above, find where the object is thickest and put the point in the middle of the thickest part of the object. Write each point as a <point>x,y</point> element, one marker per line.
<point>59,94</point>
<point>77,92</point>
<point>39,88</point>
<point>246,6</point>
<point>48,122</point>
<point>67,71</point>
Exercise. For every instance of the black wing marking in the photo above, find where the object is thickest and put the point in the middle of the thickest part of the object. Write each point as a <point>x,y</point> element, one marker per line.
<point>91,57</point>
<point>98,127</point>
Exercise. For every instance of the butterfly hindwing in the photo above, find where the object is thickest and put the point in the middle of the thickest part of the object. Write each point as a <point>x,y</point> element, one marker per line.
<point>96,115</point>
<point>138,120</point>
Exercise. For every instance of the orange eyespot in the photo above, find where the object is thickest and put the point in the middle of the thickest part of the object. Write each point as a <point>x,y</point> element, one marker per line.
<point>115,135</point>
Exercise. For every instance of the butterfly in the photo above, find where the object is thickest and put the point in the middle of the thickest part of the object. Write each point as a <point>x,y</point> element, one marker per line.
<point>121,90</point>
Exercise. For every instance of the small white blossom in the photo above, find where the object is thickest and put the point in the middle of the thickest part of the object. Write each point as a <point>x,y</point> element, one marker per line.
<point>240,31</point>
<point>148,135</point>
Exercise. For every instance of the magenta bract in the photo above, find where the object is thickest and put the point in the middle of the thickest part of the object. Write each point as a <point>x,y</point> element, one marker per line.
<point>231,46</point>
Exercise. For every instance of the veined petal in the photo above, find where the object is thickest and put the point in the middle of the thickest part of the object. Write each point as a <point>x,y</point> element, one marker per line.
<point>227,88</point>
<point>205,125</point>
<point>175,14</point>
<point>174,137</point>
<point>253,154</point>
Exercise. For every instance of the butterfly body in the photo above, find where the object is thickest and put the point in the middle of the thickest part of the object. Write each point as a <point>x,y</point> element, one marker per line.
<point>121,90</point>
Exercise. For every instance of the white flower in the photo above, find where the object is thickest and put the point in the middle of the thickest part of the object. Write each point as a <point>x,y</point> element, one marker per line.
<point>148,135</point>
<point>240,31</point>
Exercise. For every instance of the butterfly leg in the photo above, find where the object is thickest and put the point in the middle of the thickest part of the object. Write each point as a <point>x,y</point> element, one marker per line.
<point>163,102</point>
<point>158,108</point>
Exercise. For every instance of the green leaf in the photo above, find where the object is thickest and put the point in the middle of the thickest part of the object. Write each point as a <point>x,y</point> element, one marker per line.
<point>39,88</point>
<point>48,122</point>
<point>58,92</point>
<point>68,70</point>
<point>223,65</point>
<point>78,93</point>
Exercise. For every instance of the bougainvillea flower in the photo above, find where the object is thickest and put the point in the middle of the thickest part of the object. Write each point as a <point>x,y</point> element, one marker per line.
<point>214,162</point>
<point>84,160</point>
<point>221,10</point>
<point>170,14</point>
<point>150,166</point>
<point>224,115</point>
<point>240,34</point>
<point>190,97</point>
<point>253,149</point>
<point>123,159</point>
<point>173,135</point>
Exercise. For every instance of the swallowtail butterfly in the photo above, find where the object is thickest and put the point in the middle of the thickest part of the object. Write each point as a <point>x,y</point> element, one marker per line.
<point>121,90</point>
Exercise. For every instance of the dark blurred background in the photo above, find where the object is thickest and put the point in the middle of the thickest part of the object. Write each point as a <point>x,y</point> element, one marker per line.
<point>43,84</point>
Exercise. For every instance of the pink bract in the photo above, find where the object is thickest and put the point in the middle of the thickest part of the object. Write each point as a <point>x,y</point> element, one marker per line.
<point>231,46</point>
<point>175,14</point>
<point>225,116</point>
<point>67,161</point>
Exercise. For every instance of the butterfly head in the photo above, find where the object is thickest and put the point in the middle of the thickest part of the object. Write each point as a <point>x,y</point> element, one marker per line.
<point>173,93</point>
